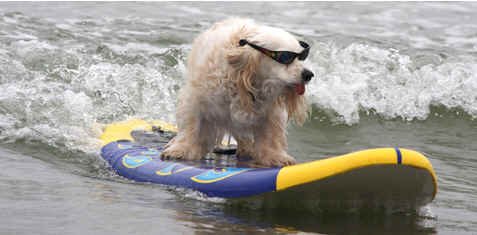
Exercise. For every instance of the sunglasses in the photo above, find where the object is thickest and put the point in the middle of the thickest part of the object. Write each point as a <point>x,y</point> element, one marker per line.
<point>282,57</point>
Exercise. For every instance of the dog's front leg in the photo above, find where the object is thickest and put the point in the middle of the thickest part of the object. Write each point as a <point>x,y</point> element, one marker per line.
<point>270,142</point>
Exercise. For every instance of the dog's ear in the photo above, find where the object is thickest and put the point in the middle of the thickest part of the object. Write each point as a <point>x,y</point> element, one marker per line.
<point>243,62</point>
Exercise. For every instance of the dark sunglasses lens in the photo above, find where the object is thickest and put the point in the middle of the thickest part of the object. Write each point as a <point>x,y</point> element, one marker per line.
<point>304,54</point>
<point>285,57</point>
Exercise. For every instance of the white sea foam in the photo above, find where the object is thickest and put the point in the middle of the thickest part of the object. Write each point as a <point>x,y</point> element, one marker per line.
<point>60,96</point>
<point>361,77</point>
<point>136,47</point>
<point>21,36</point>
<point>10,20</point>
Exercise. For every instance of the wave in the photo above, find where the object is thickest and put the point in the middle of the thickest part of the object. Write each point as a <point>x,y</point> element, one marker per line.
<point>361,77</point>
<point>60,88</point>
<point>61,97</point>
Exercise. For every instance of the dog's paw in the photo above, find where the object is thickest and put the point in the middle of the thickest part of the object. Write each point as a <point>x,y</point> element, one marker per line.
<point>275,160</point>
<point>171,154</point>
<point>179,153</point>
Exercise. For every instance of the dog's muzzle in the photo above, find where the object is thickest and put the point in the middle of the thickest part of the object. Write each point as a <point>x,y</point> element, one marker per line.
<point>306,75</point>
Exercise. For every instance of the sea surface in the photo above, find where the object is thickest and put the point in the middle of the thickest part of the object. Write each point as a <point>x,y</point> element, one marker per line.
<point>387,74</point>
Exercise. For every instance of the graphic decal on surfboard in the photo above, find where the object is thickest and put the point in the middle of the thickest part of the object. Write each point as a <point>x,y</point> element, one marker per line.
<point>135,161</point>
<point>217,174</point>
<point>151,152</point>
<point>126,145</point>
<point>170,169</point>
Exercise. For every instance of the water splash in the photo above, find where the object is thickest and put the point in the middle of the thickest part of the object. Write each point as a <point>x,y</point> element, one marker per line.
<point>60,91</point>
<point>361,77</point>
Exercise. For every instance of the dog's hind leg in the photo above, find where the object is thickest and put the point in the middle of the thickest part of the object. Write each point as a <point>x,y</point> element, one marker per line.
<point>192,142</point>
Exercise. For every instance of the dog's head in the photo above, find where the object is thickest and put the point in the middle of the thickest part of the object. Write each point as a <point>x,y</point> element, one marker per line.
<point>268,63</point>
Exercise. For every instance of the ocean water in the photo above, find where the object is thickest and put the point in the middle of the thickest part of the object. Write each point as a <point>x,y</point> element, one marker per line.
<point>387,74</point>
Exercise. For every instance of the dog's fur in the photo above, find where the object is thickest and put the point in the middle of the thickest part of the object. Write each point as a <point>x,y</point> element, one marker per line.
<point>239,90</point>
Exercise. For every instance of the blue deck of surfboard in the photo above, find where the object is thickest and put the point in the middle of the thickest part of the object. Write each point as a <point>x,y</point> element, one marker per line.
<point>143,164</point>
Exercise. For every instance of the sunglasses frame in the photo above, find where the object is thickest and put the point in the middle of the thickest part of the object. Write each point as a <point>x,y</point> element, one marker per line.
<point>276,55</point>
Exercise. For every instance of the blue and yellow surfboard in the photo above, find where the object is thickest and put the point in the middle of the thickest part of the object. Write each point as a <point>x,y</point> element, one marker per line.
<point>383,173</point>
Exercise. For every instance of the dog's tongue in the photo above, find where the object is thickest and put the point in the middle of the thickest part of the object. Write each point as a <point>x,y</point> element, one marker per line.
<point>300,88</point>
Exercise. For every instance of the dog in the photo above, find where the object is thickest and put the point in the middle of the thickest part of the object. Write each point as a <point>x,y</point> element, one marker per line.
<point>246,80</point>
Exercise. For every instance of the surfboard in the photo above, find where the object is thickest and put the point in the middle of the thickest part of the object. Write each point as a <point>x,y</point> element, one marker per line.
<point>389,175</point>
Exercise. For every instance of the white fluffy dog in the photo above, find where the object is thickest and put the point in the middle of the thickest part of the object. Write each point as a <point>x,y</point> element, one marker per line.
<point>240,82</point>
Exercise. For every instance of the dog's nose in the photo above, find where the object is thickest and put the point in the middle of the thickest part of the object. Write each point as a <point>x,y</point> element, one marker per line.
<point>306,75</point>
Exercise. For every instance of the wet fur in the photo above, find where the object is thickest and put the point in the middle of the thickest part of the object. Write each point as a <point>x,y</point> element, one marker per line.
<point>238,90</point>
